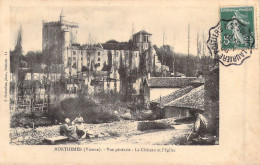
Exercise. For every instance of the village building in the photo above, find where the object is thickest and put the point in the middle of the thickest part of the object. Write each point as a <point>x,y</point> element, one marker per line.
<point>166,91</point>
<point>78,61</point>
<point>57,36</point>
<point>163,86</point>
<point>183,106</point>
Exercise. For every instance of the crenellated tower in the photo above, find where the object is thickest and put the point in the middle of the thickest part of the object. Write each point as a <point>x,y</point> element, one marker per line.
<point>57,37</point>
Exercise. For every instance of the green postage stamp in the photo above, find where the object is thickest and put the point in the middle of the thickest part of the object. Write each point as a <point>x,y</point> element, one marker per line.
<point>237,28</point>
<point>232,40</point>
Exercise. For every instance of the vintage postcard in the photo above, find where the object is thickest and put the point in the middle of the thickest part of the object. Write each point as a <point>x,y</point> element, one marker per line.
<point>129,82</point>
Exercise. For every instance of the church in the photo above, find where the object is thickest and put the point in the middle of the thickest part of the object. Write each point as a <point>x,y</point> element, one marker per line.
<point>59,39</point>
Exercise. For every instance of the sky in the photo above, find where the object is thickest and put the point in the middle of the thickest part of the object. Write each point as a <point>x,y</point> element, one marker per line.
<point>103,23</point>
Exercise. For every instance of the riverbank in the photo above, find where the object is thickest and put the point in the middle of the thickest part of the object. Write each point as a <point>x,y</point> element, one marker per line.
<point>124,131</point>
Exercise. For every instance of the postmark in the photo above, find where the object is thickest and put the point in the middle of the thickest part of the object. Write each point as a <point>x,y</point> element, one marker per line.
<point>232,40</point>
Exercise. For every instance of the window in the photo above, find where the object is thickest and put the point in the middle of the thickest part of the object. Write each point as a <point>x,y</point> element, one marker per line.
<point>74,58</point>
<point>144,38</point>
<point>98,64</point>
<point>116,54</point>
<point>98,59</point>
<point>69,61</point>
<point>74,52</point>
<point>98,53</point>
<point>81,58</point>
<point>135,54</point>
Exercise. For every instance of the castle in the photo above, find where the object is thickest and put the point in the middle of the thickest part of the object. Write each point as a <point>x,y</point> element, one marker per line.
<point>59,39</point>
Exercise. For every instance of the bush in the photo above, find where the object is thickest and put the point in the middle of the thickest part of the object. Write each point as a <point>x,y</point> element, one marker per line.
<point>23,119</point>
<point>18,119</point>
<point>90,110</point>
<point>151,125</point>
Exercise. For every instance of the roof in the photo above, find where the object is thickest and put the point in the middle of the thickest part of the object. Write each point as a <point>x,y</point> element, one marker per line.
<point>86,46</point>
<point>174,95</point>
<point>62,13</point>
<point>194,99</point>
<point>142,32</point>
<point>118,46</point>
<point>170,82</point>
<point>199,80</point>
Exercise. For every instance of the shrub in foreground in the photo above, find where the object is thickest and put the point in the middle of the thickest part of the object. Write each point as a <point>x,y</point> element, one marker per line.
<point>90,110</point>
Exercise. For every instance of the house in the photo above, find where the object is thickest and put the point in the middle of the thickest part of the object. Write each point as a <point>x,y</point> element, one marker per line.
<point>162,101</point>
<point>163,86</point>
<point>193,101</point>
<point>153,89</point>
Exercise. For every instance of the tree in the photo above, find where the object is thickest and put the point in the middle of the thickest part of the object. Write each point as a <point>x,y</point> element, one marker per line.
<point>15,61</point>
<point>34,58</point>
<point>182,60</point>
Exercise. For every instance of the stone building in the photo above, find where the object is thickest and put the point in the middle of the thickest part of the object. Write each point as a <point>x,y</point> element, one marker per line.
<point>57,36</point>
<point>142,40</point>
<point>60,41</point>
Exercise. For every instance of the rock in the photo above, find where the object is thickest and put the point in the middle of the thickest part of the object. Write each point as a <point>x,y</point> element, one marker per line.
<point>15,140</point>
<point>101,135</point>
<point>26,137</point>
<point>151,125</point>
<point>106,134</point>
<point>92,136</point>
<point>148,112</point>
<point>91,132</point>
<point>20,138</point>
<point>127,116</point>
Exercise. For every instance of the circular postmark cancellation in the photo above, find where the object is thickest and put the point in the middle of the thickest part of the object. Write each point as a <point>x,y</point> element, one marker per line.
<point>232,40</point>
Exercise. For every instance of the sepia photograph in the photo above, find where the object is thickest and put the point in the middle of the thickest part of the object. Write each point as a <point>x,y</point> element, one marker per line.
<point>80,76</point>
<point>129,82</point>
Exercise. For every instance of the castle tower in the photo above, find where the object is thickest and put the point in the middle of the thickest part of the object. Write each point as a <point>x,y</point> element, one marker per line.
<point>62,16</point>
<point>57,37</point>
<point>142,39</point>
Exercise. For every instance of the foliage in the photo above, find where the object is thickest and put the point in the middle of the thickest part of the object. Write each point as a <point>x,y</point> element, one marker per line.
<point>89,109</point>
<point>112,41</point>
<point>17,54</point>
<point>23,119</point>
<point>34,58</point>
<point>190,65</point>
<point>128,77</point>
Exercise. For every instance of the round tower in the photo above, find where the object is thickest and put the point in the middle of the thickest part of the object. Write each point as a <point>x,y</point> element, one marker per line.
<point>62,15</point>
<point>66,34</point>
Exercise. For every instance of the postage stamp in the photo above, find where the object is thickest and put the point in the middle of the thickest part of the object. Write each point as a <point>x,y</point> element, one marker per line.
<point>232,40</point>
<point>238,28</point>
